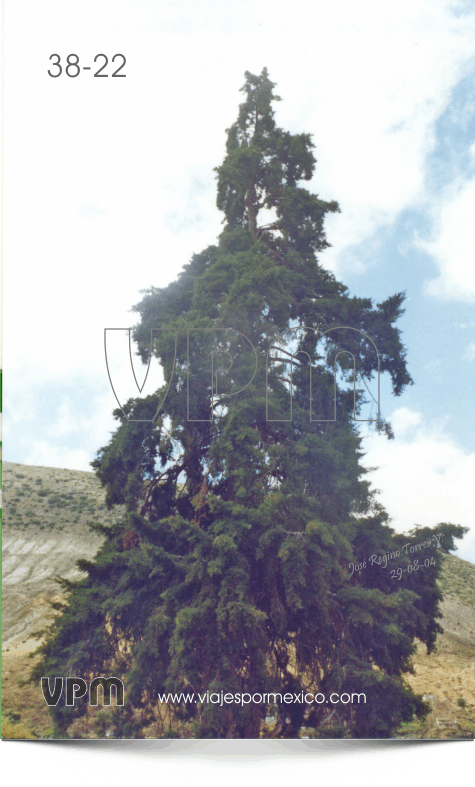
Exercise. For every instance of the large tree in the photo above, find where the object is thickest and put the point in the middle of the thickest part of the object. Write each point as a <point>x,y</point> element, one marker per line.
<point>247,506</point>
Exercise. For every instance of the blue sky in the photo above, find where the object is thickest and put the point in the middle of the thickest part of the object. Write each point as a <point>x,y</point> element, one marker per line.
<point>109,188</point>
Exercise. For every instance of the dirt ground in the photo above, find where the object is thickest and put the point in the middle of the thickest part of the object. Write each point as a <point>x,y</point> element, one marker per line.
<point>45,530</point>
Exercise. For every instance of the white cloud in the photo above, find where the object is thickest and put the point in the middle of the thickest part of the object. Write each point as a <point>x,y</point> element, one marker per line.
<point>403,421</point>
<point>424,476</point>
<point>470,352</point>
<point>453,244</point>
<point>109,184</point>
<point>43,454</point>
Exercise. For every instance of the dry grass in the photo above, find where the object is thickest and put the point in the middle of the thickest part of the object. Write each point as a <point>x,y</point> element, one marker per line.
<point>46,503</point>
<point>27,701</point>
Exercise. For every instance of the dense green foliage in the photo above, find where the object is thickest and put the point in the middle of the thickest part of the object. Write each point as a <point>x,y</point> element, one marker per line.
<point>233,570</point>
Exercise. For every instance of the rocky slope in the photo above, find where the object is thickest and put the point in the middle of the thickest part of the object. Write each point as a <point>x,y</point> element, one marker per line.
<point>46,512</point>
<point>45,517</point>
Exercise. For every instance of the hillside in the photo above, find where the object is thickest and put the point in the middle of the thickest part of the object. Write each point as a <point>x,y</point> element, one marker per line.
<point>447,677</point>
<point>46,512</point>
<point>45,517</point>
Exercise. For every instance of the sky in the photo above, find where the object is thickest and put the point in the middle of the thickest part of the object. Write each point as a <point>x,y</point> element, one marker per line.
<point>108,189</point>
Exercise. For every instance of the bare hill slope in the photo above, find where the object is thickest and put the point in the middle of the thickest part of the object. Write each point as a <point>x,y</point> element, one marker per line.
<point>46,512</point>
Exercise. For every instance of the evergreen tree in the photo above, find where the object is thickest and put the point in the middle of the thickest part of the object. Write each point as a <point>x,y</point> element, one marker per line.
<point>247,506</point>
